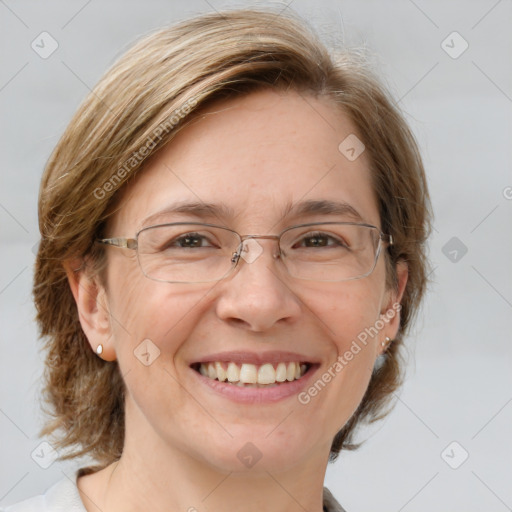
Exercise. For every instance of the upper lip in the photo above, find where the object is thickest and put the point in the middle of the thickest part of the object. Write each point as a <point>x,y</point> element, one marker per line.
<point>256,358</point>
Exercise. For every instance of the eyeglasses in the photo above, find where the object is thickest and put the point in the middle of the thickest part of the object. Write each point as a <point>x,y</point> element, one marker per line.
<point>199,253</point>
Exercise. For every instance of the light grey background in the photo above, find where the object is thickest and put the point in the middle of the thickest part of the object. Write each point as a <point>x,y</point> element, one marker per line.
<point>459,379</point>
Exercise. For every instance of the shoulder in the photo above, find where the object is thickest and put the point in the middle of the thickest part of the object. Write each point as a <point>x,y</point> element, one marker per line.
<point>330,503</point>
<point>63,496</point>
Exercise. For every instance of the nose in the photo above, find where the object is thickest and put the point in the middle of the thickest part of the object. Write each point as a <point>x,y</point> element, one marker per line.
<point>258,295</point>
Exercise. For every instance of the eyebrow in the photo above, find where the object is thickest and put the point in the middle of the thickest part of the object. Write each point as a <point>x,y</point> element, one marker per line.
<point>204,211</point>
<point>323,207</point>
<point>195,209</point>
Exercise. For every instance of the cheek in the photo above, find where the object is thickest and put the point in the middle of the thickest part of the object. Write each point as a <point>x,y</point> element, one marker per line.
<point>142,309</point>
<point>353,317</point>
<point>347,311</point>
<point>151,322</point>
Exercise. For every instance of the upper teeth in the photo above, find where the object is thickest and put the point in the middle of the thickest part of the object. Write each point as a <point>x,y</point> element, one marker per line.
<point>252,374</point>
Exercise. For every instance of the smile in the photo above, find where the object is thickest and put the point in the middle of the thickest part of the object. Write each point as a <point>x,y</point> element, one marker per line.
<point>252,375</point>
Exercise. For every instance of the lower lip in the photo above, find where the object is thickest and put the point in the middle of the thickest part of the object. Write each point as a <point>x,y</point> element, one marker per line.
<point>257,395</point>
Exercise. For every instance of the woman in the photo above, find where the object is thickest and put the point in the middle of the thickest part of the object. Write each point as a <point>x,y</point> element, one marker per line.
<point>233,250</point>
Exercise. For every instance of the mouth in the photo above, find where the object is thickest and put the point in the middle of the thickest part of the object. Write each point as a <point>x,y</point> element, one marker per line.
<point>248,375</point>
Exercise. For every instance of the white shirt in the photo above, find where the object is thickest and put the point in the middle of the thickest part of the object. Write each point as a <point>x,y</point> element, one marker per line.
<point>64,496</point>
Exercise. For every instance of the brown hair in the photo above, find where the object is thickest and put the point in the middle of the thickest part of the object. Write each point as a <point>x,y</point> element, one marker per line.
<point>136,108</point>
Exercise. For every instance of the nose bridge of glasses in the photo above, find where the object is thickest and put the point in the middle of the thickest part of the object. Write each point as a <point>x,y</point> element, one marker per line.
<point>245,237</point>
<point>249,245</point>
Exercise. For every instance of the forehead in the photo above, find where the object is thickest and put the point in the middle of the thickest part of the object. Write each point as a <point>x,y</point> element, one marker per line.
<point>260,158</point>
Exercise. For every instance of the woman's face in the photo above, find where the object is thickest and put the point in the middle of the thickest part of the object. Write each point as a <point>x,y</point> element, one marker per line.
<point>255,157</point>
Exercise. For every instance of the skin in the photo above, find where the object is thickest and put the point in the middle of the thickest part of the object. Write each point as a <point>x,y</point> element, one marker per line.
<point>254,154</point>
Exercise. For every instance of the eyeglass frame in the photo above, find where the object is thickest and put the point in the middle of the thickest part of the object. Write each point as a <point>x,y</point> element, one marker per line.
<point>133,244</point>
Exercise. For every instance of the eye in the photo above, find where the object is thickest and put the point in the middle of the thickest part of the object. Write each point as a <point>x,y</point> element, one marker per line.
<point>189,241</point>
<point>319,240</point>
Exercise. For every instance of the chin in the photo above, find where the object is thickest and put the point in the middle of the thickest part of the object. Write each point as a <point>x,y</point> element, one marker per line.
<point>268,449</point>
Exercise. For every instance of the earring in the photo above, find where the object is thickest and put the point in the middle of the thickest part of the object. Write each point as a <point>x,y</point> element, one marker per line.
<point>99,349</point>
<point>385,344</point>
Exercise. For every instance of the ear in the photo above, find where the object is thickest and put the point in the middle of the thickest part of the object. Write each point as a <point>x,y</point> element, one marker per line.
<point>92,305</point>
<point>391,310</point>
